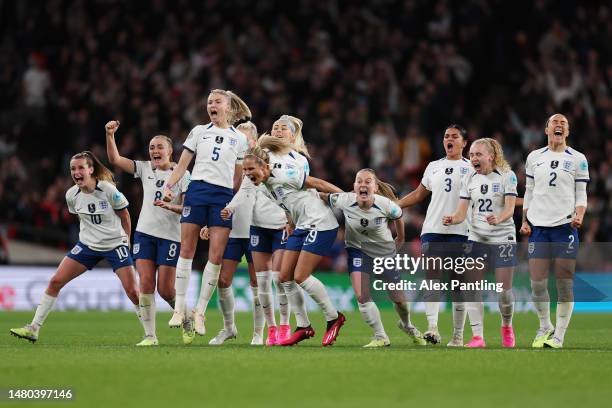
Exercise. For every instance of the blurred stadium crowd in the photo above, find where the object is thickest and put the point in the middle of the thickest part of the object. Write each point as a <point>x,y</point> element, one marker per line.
<point>375,84</point>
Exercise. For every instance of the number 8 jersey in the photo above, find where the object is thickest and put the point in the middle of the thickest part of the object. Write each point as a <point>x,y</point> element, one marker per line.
<point>554,178</point>
<point>487,193</point>
<point>100,226</point>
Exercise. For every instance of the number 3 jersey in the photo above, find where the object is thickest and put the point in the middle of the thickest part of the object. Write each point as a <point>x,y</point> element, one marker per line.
<point>367,229</point>
<point>487,194</point>
<point>443,178</point>
<point>100,226</point>
<point>554,178</point>
<point>156,221</point>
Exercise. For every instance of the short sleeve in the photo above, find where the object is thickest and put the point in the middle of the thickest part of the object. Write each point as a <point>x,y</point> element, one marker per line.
<point>116,198</point>
<point>242,148</point>
<point>510,183</point>
<point>582,171</point>
<point>464,192</point>
<point>191,141</point>
<point>392,210</point>
<point>426,180</point>
<point>529,167</point>
<point>185,181</point>
<point>138,166</point>
<point>70,201</point>
<point>337,201</point>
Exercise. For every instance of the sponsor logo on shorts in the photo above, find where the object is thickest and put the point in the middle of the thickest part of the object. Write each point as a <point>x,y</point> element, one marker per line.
<point>76,250</point>
<point>186,211</point>
<point>531,247</point>
<point>254,240</point>
<point>357,262</point>
<point>136,248</point>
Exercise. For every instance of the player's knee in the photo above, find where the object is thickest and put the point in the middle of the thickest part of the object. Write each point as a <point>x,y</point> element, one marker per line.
<point>363,298</point>
<point>55,285</point>
<point>187,251</point>
<point>146,286</point>
<point>224,282</point>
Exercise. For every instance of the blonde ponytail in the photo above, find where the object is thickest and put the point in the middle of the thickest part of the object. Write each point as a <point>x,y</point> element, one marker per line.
<point>101,172</point>
<point>499,162</point>
<point>274,144</point>
<point>238,110</point>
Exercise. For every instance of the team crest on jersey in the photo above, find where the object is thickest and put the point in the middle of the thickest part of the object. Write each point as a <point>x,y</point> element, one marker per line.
<point>364,222</point>
<point>496,187</point>
<point>186,211</point>
<point>357,262</point>
<point>277,166</point>
<point>219,139</point>
<point>463,170</point>
<point>567,165</point>
<point>76,250</point>
<point>379,221</point>
<point>103,205</point>
<point>91,208</point>
<point>233,141</point>
<point>159,183</point>
<point>449,170</point>
<point>554,164</point>
<point>254,240</point>
<point>484,188</point>
<point>136,248</point>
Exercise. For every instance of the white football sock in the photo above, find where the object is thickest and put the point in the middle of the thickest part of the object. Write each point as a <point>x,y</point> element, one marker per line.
<point>147,313</point>
<point>42,310</point>
<point>296,299</point>
<point>371,315</point>
<point>181,283</point>
<point>432,305</point>
<point>316,290</point>
<point>506,306</point>
<point>264,290</point>
<point>565,292</point>
<point>210,277</point>
<point>284,307</point>
<point>403,310</point>
<point>458,317</point>
<point>475,311</point>
<point>541,302</point>
<point>226,304</point>
<point>258,315</point>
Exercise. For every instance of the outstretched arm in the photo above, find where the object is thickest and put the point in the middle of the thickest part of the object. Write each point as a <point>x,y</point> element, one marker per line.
<point>414,197</point>
<point>321,185</point>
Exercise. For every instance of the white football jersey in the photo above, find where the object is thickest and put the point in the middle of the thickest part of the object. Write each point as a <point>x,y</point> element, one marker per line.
<point>100,226</point>
<point>217,152</point>
<point>265,213</point>
<point>443,178</point>
<point>487,195</point>
<point>242,209</point>
<point>286,187</point>
<point>367,230</point>
<point>156,221</point>
<point>553,176</point>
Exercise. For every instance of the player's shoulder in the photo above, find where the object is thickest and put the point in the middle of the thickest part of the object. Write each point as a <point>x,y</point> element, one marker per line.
<point>72,192</point>
<point>538,152</point>
<point>342,200</point>
<point>575,153</point>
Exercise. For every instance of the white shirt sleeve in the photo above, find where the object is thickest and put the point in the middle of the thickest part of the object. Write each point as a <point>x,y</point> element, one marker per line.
<point>510,184</point>
<point>115,197</point>
<point>191,141</point>
<point>242,148</point>
<point>70,201</point>
<point>337,201</point>
<point>392,210</point>
<point>464,192</point>
<point>246,192</point>
<point>138,168</point>
<point>426,180</point>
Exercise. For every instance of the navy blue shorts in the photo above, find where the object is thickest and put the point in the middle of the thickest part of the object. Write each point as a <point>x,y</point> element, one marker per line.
<point>159,250</point>
<point>553,242</point>
<point>267,240</point>
<point>500,255</point>
<point>204,202</point>
<point>317,242</point>
<point>118,258</point>
<point>361,262</point>
<point>236,248</point>
<point>443,245</point>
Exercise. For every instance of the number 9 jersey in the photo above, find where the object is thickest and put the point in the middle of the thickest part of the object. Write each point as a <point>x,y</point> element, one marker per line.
<point>100,226</point>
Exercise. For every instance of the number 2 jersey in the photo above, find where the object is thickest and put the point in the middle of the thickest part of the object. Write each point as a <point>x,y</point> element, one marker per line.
<point>443,178</point>
<point>367,230</point>
<point>487,194</point>
<point>100,226</point>
<point>286,188</point>
<point>156,221</point>
<point>555,178</point>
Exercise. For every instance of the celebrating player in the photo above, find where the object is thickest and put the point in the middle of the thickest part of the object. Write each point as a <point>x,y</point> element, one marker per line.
<point>237,247</point>
<point>442,178</point>
<point>553,210</point>
<point>158,232</point>
<point>274,163</point>
<point>367,213</point>
<point>218,149</point>
<point>491,195</point>
<point>104,234</point>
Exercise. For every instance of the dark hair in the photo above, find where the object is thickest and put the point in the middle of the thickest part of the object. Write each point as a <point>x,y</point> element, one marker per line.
<point>460,128</point>
<point>101,172</point>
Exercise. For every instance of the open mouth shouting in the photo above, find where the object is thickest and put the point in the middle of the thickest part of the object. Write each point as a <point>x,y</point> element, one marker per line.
<point>363,193</point>
<point>477,166</point>
<point>78,179</point>
<point>558,131</point>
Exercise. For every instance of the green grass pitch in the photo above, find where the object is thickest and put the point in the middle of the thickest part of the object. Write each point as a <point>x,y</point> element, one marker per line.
<point>93,353</point>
